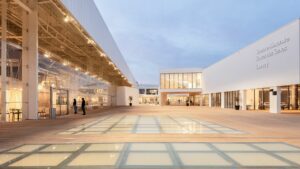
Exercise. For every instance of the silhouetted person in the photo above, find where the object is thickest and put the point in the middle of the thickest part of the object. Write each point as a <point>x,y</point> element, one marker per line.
<point>83,106</point>
<point>75,106</point>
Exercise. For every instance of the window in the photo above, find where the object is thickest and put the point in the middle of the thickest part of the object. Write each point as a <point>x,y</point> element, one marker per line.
<point>162,81</point>
<point>171,81</point>
<point>198,80</point>
<point>185,81</point>
<point>151,91</point>
<point>194,80</point>
<point>180,81</point>
<point>167,81</point>
<point>142,91</point>
<point>176,81</point>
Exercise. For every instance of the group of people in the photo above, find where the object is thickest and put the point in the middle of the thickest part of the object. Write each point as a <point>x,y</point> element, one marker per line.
<point>82,106</point>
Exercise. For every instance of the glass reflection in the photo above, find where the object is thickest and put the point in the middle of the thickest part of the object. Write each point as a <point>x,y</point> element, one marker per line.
<point>180,80</point>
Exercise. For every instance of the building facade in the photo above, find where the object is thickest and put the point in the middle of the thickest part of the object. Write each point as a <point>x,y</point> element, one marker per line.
<point>53,52</point>
<point>180,87</point>
<point>262,76</point>
<point>148,94</point>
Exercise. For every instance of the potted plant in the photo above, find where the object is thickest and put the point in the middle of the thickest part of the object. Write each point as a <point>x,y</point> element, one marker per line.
<point>130,100</point>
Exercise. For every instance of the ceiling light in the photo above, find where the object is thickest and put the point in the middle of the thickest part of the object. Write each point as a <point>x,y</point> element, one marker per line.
<point>67,19</point>
<point>47,54</point>
<point>103,55</point>
<point>90,41</point>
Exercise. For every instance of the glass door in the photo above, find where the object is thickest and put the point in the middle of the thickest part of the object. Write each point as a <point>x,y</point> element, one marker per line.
<point>59,99</point>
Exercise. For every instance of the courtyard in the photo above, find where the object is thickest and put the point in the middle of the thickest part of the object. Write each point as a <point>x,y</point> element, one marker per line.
<point>154,137</point>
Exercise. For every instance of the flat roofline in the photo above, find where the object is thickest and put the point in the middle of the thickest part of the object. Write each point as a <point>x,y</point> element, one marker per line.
<point>252,43</point>
<point>182,70</point>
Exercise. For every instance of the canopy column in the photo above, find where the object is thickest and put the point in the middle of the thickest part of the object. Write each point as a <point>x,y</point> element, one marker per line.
<point>30,61</point>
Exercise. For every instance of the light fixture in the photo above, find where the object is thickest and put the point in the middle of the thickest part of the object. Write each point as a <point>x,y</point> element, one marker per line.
<point>47,54</point>
<point>102,55</point>
<point>76,68</point>
<point>40,87</point>
<point>86,73</point>
<point>90,41</point>
<point>65,63</point>
<point>67,19</point>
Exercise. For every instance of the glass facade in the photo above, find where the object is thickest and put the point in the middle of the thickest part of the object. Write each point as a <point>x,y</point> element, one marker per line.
<point>180,80</point>
<point>258,99</point>
<point>231,99</point>
<point>204,100</point>
<point>58,85</point>
<point>290,97</point>
<point>216,99</point>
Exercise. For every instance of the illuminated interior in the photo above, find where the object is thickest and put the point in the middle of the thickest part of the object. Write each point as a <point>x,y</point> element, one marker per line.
<point>57,81</point>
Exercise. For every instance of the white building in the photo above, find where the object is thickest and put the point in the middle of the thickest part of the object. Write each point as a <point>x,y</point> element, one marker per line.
<point>55,51</point>
<point>180,86</point>
<point>148,94</point>
<point>262,76</point>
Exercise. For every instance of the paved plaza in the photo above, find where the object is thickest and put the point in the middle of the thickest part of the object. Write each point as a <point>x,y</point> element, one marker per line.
<point>153,155</point>
<point>154,137</point>
<point>149,124</point>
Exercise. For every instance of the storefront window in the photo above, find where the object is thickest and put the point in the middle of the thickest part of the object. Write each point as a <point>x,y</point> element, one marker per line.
<point>204,100</point>
<point>216,99</point>
<point>231,99</point>
<point>290,97</point>
<point>258,99</point>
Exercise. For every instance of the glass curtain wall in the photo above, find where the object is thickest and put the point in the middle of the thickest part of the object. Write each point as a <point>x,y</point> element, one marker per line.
<point>216,99</point>
<point>231,99</point>
<point>204,100</point>
<point>258,99</point>
<point>65,82</point>
<point>14,101</point>
<point>290,97</point>
<point>180,80</point>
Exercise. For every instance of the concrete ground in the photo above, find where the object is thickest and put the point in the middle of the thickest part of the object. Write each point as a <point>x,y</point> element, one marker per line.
<point>256,127</point>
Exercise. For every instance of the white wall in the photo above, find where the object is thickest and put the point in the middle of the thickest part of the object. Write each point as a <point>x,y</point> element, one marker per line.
<point>86,12</point>
<point>123,94</point>
<point>271,61</point>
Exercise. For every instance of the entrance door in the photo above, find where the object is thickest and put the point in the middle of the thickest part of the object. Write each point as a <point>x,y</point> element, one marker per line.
<point>59,99</point>
<point>177,99</point>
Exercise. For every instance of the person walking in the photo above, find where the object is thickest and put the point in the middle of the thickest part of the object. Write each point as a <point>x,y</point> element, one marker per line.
<point>83,106</point>
<point>75,106</point>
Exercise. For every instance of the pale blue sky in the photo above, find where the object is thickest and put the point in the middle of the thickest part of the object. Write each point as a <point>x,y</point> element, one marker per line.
<point>161,34</point>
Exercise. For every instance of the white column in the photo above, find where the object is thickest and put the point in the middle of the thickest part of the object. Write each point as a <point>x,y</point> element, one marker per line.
<point>3,60</point>
<point>222,100</point>
<point>209,100</point>
<point>275,100</point>
<point>242,99</point>
<point>30,61</point>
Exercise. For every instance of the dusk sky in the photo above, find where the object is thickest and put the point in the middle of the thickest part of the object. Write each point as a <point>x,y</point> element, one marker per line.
<point>163,34</point>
